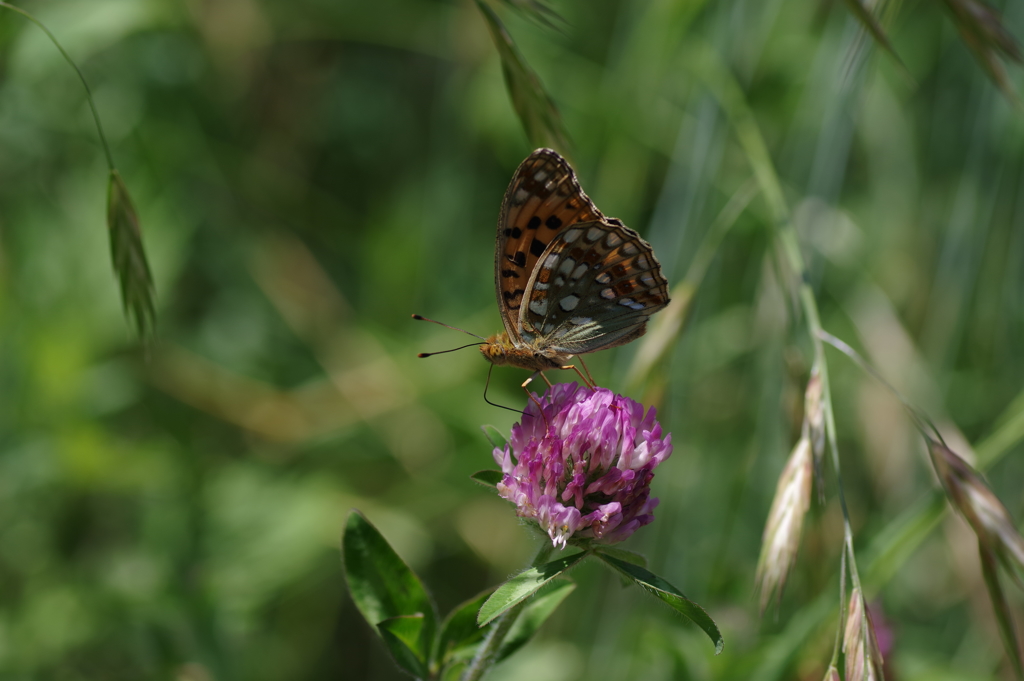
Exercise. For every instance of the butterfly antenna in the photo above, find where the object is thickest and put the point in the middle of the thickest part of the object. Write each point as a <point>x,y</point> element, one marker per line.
<point>447,326</point>
<point>441,352</point>
<point>495,404</point>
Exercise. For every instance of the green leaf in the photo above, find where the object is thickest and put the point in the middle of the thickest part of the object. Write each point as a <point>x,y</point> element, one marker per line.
<point>494,436</point>
<point>623,554</point>
<point>381,584</point>
<point>1001,606</point>
<point>671,595</point>
<point>522,586</point>
<point>489,478</point>
<point>460,633</point>
<point>535,108</point>
<point>534,614</point>
<point>402,636</point>
<point>455,670</point>
<point>129,256</point>
<point>628,556</point>
<point>537,11</point>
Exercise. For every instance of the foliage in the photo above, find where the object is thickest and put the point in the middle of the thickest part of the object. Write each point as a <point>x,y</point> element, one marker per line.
<point>392,598</point>
<point>306,176</point>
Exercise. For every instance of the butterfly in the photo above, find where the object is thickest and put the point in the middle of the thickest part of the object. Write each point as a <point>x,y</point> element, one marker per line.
<point>568,279</point>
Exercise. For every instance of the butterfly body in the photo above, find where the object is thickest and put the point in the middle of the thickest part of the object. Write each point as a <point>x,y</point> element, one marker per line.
<point>500,350</point>
<point>568,280</point>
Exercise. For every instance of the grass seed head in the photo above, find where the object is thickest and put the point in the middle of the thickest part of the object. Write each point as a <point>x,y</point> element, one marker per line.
<point>814,416</point>
<point>781,537</point>
<point>863,658</point>
<point>986,515</point>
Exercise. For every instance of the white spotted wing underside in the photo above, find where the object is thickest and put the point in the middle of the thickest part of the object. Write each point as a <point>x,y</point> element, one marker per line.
<point>543,199</point>
<point>594,287</point>
<point>568,279</point>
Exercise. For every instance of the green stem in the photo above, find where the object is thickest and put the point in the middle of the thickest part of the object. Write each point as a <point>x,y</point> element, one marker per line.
<point>487,654</point>
<point>837,646</point>
<point>88,92</point>
<point>810,307</point>
<point>731,98</point>
<point>919,419</point>
<point>491,645</point>
<point>712,241</point>
<point>670,323</point>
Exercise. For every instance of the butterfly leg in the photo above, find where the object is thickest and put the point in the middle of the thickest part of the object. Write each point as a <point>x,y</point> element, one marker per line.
<point>593,383</point>
<point>589,384</point>
<point>526,389</point>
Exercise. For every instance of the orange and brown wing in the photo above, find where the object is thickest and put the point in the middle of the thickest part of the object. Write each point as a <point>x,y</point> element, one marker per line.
<point>543,199</point>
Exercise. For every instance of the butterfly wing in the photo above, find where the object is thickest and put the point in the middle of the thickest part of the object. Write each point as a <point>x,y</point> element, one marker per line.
<point>595,286</point>
<point>543,199</point>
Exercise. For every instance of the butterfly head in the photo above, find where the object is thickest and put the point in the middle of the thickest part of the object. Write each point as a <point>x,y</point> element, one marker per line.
<point>500,351</point>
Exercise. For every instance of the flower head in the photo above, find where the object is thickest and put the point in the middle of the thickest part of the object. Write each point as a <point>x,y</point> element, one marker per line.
<point>583,468</point>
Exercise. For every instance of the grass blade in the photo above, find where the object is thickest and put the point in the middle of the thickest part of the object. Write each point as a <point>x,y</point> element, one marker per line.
<point>537,11</point>
<point>871,24</point>
<point>535,108</point>
<point>982,30</point>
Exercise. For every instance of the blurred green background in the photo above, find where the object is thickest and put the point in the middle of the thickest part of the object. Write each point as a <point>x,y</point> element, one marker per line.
<point>310,173</point>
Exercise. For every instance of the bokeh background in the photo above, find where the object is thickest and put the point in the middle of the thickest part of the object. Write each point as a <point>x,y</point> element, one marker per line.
<point>310,173</point>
